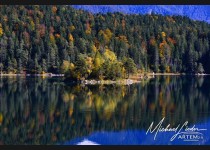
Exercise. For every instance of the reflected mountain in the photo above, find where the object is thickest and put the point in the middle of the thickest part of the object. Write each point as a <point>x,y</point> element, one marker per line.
<point>51,111</point>
<point>139,137</point>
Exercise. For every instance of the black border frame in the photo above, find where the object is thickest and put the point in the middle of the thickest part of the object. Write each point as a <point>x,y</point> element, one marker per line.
<point>104,2</point>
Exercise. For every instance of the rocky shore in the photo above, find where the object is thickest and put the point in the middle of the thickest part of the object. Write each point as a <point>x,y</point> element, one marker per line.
<point>121,82</point>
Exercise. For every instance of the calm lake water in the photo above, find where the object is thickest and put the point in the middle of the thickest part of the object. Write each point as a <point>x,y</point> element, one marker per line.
<point>51,111</point>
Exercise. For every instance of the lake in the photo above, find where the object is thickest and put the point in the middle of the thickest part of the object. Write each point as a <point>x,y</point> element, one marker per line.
<point>51,111</point>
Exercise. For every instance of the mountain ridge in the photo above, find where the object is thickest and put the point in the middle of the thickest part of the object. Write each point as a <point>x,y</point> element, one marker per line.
<point>195,12</point>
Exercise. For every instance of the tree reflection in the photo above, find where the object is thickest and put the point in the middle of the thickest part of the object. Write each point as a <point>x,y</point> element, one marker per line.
<point>49,111</point>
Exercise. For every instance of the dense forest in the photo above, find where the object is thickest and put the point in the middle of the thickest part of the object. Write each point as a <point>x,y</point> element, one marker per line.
<point>61,39</point>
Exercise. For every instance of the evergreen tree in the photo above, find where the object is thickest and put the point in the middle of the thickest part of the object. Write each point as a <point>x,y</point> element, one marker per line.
<point>57,33</point>
<point>130,66</point>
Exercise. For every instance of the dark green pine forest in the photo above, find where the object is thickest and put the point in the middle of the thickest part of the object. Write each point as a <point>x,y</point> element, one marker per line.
<point>61,39</point>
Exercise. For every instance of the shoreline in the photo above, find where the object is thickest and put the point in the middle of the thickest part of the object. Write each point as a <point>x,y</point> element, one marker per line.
<point>108,82</point>
<point>131,80</point>
<point>171,74</point>
<point>62,75</point>
<point>32,75</point>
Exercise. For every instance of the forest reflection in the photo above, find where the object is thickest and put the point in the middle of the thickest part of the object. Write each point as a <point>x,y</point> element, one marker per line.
<point>49,111</point>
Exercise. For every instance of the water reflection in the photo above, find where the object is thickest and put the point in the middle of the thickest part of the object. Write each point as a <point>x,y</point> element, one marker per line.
<point>139,137</point>
<point>49,111</point>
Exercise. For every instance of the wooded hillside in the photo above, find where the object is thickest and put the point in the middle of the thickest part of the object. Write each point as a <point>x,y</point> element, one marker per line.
<point>61,39</point>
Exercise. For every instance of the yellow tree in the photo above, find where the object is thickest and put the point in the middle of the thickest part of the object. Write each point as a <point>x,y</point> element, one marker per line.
<point>65,66</point>
<point>72,28</point>
<point>1,30</point>
<point>110,55</point>
<point>1,34</point>
<point>98,61</point>
<point>52,38</point>
<point>93,48</point>
<point>107,35</point>
<point>71,39</point>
